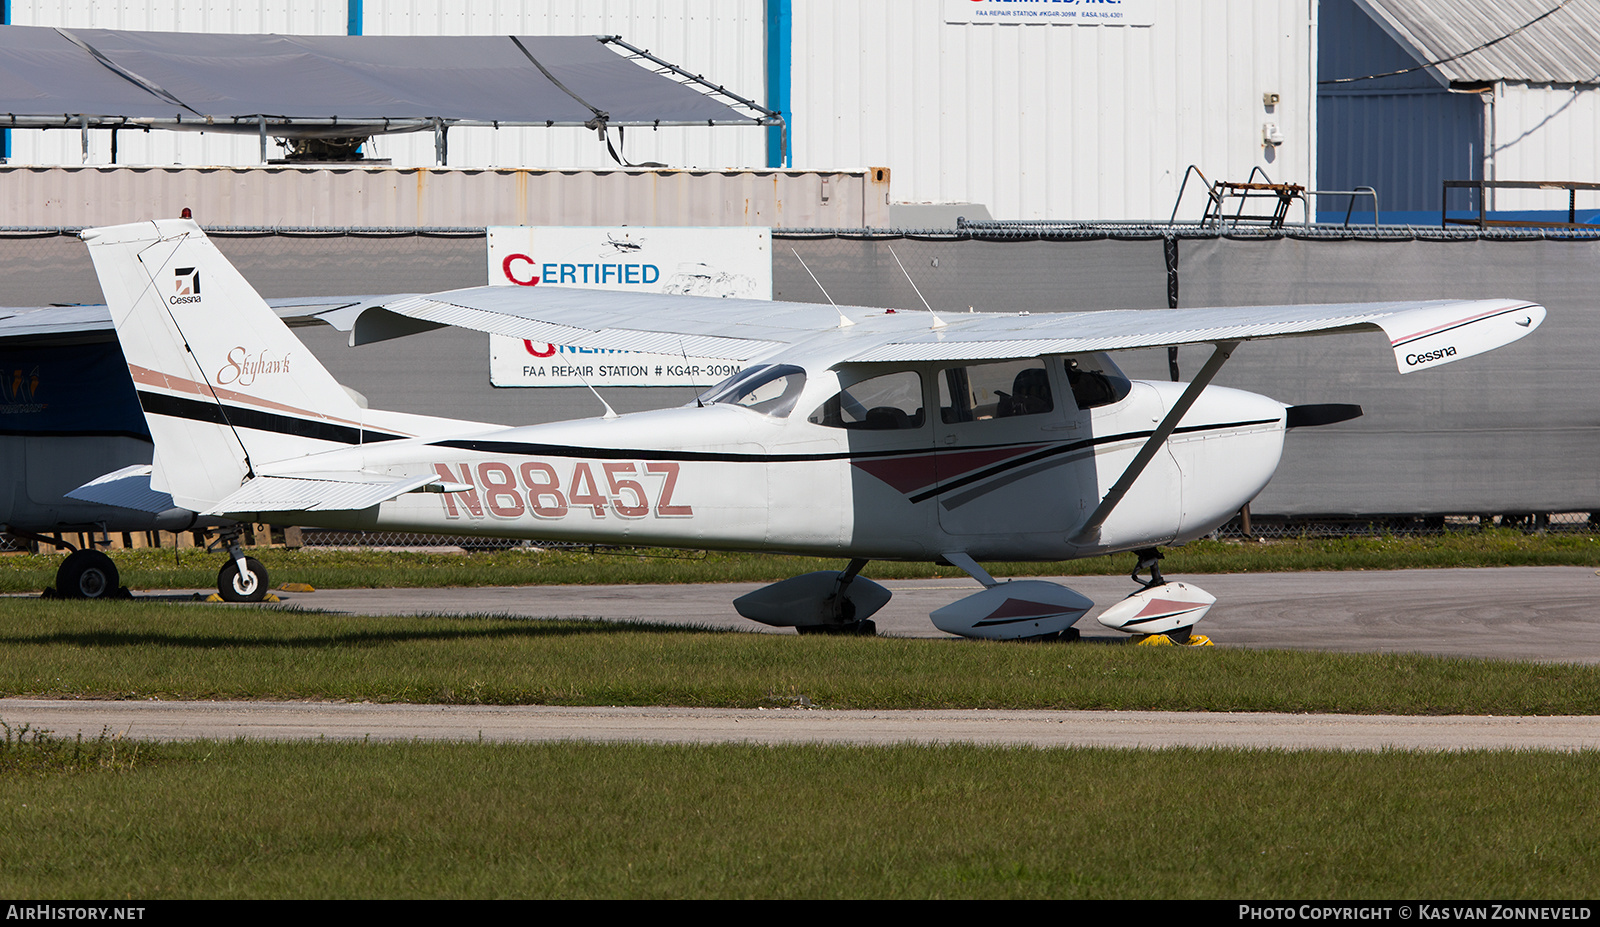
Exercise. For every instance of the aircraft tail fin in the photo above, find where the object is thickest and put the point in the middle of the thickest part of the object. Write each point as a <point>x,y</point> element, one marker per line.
<point>225,385</point>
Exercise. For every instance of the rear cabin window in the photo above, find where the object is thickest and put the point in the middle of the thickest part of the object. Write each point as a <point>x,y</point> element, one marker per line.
<point>890,402</point>
<point>989,391</point>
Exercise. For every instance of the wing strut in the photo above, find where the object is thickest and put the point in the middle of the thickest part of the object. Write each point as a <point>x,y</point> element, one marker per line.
<point>1091,528</point>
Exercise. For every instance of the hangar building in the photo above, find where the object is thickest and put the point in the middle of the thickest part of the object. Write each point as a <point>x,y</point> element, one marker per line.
<point>1412,93</point>
<point>1029,119</point>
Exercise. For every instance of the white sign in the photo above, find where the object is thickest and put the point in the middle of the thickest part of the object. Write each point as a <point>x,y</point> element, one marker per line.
<point>734,262</point>
<point>1052,12</point>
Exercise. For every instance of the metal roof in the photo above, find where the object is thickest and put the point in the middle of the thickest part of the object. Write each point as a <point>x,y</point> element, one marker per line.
<point>299,85</point>
<point>1561,48</point>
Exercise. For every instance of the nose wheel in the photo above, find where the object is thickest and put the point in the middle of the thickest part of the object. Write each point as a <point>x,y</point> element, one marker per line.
<point>1163,612</point>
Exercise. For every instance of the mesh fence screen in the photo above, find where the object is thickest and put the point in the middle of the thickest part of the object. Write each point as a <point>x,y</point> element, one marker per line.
<point>1511,435</point>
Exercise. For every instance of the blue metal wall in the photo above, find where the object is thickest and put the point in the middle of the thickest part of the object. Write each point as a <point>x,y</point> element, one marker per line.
<point>1401,135</point>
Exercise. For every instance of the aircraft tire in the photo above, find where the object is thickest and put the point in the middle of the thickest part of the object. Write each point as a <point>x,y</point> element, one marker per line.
<point>865,628</point>
<point>234,587</point>
<point>87,574</point>
<point>1066,636</point>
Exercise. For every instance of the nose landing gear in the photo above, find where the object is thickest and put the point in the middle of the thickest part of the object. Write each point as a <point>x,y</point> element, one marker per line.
<point>1162,612</point>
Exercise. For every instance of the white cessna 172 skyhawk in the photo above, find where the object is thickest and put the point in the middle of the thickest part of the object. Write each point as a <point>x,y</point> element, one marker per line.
<point>850,432</point>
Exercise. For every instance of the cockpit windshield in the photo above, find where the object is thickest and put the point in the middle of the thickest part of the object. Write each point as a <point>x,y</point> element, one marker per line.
<point>1096,381</point>
<point>767,388</point>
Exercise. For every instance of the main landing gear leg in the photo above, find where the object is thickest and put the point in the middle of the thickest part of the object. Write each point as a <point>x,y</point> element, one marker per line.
<point>241,579</point>
<point>84,574</point>
<point>823,602</point>
<point>843,609</point>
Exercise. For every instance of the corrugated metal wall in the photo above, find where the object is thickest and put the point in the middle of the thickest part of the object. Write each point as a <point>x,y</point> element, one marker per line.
<point>1059,122</point>
<point>1403,145</point>
<point>1405,134</point>
<point>396,197</point>
<point>1545,132</point>
<point>1401,135</point>
<point>1034,121</point>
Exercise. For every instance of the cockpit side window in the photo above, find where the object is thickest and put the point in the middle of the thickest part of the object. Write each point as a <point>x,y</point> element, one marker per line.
<point>768,388</point>
<point>988,391</point>
<point>889,402</point>
<point>1096,381</point>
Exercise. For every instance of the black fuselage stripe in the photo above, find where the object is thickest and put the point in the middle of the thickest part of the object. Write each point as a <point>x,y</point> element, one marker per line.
<point>196,410</point>
<point>525,449</point>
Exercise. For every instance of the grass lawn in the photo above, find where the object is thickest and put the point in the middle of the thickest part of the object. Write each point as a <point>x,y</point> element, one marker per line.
<point>344,820</point>
<point>195,651</point>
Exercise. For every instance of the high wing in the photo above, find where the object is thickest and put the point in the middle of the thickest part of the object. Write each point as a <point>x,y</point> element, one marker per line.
<point>1421,333</point>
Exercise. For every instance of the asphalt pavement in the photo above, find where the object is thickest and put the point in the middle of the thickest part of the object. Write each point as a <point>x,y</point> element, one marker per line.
<point>1525,613</point>
<point>1529,613</point>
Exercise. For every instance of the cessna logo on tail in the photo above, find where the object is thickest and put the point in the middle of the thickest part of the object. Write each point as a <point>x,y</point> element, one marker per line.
<point>186,285</point>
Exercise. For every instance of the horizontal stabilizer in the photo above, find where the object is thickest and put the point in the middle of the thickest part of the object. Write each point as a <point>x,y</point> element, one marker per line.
<point>351,492</point>
<point>128,488</point>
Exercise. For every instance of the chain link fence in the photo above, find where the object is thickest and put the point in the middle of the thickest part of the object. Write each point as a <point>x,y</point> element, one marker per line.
<point>1575,523</point>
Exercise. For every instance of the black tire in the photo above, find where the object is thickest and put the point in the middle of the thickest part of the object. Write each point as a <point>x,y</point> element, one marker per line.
<point>865,628</point>
<point>87,574</point>
<point>236,588</point>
